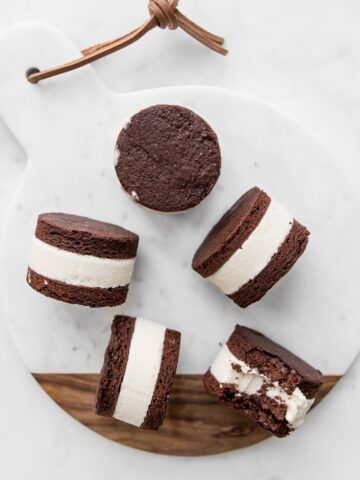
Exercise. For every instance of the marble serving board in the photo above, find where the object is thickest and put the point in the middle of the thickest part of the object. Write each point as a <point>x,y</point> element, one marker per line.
<point>68,127</point>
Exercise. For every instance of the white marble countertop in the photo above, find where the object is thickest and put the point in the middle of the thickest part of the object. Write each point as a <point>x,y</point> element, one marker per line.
<point>302,56</point>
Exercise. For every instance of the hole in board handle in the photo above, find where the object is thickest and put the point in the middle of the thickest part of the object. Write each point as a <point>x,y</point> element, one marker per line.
<point>30,71</point>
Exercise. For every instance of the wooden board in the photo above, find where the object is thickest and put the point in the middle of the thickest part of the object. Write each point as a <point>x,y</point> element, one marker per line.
<point>80,120</point>
<point>195,423</point>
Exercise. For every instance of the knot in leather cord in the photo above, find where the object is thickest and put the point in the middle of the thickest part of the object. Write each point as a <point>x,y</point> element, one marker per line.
<point>164,12</point>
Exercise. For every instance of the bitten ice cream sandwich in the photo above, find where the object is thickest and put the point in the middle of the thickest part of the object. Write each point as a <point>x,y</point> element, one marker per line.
<point>264,381</point>
<point>79,260</point>
<point>252,246</point>
<point>167,158</point>
<point>139,366</point>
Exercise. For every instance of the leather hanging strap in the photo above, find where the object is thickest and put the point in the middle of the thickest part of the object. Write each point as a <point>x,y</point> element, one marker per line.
<point>163,14</point>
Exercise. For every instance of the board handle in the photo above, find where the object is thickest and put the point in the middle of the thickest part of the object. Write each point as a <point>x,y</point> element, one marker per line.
<point>34,112</point>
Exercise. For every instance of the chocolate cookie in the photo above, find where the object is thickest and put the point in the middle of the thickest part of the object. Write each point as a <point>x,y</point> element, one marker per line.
<point>79,260</point>
<point>139,366</point>
<point>167,158</point>
<point>263,381</point>
<point>253,245</point>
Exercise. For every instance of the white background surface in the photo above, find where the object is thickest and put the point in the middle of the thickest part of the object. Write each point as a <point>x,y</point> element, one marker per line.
<point>302,56</point>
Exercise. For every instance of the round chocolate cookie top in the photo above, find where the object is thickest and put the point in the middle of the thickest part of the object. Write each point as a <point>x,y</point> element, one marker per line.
<point>230,232</point>
<point>168,158</point>
<point>86,236</point>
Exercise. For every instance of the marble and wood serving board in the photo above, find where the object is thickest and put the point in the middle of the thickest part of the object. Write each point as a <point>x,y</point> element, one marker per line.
<point>68,127</point>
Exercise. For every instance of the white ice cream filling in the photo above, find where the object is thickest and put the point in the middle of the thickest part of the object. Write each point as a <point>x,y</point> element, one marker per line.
<point>141,373</point>
<point>227,369</point>
<point>256,252</point>
<point>116,155</point>
<point>247,380</point>
<point>125,124</point>
<point>79,270</point>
